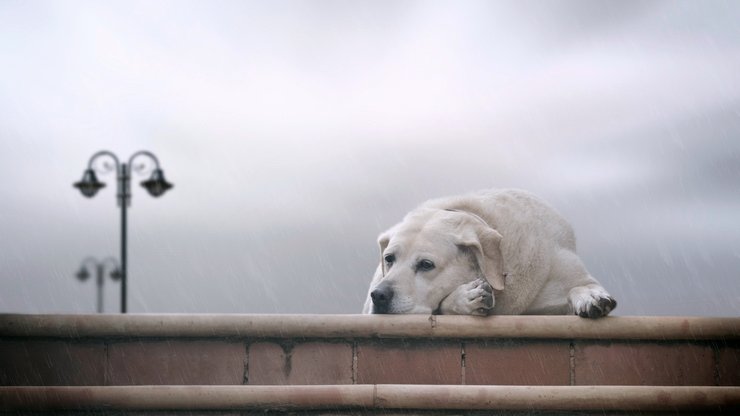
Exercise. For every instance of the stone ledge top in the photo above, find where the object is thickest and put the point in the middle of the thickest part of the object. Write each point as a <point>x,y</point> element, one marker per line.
<point>368,326</point>
<point>379,396</point>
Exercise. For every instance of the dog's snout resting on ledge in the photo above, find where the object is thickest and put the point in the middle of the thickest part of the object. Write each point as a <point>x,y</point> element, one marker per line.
<point>496,252</point>
<point>382,296</point>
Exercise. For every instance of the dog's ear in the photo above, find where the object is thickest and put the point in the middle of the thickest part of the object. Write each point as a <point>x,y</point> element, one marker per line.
<point>485,242</point>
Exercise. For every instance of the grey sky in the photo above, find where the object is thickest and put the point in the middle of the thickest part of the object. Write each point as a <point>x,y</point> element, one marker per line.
<point>296,131</point>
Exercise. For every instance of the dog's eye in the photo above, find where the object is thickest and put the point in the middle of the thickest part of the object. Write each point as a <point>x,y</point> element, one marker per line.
<point>425,265</point>
<point>390,258</point>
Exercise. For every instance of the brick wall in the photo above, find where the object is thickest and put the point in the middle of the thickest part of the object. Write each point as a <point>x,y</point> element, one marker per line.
<point>116,350</point>
<point>408,361</point>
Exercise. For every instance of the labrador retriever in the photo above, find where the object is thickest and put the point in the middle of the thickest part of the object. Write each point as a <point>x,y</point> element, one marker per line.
<point>496,252</point>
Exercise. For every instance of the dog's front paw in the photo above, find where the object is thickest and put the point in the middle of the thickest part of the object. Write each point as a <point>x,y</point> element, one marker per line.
<point>474,298</point>
<point>591,301</point>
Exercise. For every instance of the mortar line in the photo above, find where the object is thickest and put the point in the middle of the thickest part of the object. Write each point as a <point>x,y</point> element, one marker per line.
<point>106,368</point>
<point>715,361</point>
<point>462,363</point>
<point>572,365</point>
<point>245,375</point>
<point>354,362</point>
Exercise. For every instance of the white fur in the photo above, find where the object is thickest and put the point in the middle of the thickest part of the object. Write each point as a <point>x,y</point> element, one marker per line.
<point>474,298</point>
<point>509,239</point>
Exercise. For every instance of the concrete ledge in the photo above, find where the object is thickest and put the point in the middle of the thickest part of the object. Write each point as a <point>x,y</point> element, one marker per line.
<point>409,397</point>
<point>368,326</point>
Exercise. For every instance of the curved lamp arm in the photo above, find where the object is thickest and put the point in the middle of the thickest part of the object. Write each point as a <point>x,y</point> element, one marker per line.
<point>150,155</point>
<point>103,153</point>
<point>111,262</point>
<point>89,261</point>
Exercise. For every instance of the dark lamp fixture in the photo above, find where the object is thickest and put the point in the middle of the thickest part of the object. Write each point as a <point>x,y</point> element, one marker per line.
<point>89,185</point>
<point>157,184</point>
<point>116,274</point>
<point>99,267</point>
<point>83,274</point>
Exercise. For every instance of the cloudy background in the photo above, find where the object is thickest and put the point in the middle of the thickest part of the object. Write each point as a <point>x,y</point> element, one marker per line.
<point>296,131</point>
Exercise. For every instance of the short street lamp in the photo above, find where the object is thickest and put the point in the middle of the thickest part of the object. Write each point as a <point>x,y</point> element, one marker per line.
<point>156,185</point>
<point>99,267</point>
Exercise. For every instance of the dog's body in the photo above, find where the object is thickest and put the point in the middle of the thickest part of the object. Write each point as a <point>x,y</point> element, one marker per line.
<point>447,255</point>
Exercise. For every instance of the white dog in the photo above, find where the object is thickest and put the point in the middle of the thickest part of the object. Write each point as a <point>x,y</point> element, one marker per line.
<point>450,256</point>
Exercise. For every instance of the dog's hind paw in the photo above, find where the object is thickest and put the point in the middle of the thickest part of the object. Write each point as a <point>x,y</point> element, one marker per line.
<point>591,301</point>
<point>474,298</point>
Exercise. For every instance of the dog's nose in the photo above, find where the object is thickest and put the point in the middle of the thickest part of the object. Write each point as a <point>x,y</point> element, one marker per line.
<point>382,296</point>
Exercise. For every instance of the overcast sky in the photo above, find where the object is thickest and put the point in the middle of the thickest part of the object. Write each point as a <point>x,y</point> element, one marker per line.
<point>296,131</point>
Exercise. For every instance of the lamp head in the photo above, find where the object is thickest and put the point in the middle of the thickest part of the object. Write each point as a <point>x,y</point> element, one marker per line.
<point>156,185</point>
<point>89,185</point>
<point>116,274</point>
<point>83,274</point>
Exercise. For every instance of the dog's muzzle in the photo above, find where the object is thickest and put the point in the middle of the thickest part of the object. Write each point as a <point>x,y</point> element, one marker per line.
<point>382,296</point>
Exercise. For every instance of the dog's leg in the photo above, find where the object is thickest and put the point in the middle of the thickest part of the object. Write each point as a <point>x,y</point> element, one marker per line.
<point>473,298</point>
<point>591,301</point>
<point>586,298</point>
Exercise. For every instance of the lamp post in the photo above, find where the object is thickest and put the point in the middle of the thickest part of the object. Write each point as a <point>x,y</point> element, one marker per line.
<point>83,274</point>
<point>156,185</point>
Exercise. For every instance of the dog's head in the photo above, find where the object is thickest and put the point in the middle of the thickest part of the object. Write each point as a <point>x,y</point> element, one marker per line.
<point>429,254</point>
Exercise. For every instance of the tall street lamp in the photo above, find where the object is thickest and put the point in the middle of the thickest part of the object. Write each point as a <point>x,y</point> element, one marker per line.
<point>99,266</point>
<point>156,185</point>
